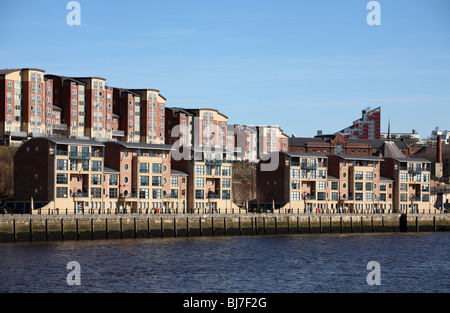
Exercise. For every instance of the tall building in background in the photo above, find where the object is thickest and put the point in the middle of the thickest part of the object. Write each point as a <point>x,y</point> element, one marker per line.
<point>98,107</point>
<point>152,128</point>
<point>26,104</point>
<point>367,127</point>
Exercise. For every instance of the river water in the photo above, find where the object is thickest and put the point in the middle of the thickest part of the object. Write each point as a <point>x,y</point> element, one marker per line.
<point>408,262</point>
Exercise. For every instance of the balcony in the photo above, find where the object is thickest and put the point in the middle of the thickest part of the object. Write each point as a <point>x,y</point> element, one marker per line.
<point>213,162</point>
<point>414,170</point>
<point>213,196</point>
<point>79,156</point>
<point>118,133</point>
<point>59,126</point>
<point>80,195</point>
<point>309,166</point>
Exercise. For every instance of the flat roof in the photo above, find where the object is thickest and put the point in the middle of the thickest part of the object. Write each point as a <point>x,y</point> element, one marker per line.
<point>70,141</point>
<point>110,170</point>
<point>66,78</point>
<point>412,160</point>
<point>138,145</point>
<point>358,157</point>
<point>304,154</point>
<point>175,172</point>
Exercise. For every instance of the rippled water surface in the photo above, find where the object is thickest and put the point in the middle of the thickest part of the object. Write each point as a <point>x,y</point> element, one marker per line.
<point>411,262</point>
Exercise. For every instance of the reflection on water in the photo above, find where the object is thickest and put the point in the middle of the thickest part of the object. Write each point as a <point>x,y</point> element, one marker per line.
<point>292,263</point>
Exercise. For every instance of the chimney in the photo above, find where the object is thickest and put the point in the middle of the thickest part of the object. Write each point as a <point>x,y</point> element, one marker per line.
<point>438,149</point>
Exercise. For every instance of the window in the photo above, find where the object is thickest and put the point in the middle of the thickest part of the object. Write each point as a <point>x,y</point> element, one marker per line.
<point>96,166</point>
<point>199,194</point>
<point>358,175</point>
<point>321,196</point>
<point>226,183</point>
<point>334,196</point>
<point>295,173</point>
<point>321,174</point>
<point>382,186</point>
<point>173,181</point>
<point>85,165</point>
<point>61,165</point>
<point>369,196</point>
<point>295,195</point>
<point>403,177</point>
<point>96,179</point>
<point>199,182</point>
<point>156,193</point>
<point>403,187</point>
<point>334,185</point>
<point>61,178</point>
<point>226,171</point>
<point>312,174</point>
<point>425,197</point>
<point>226,194</point>
<point>96,192</point>
<point>144,181</point>
<point>144,168</point>
<point>369,186</point>
<point>174,193</point>
<point>321,185</point>
<point>359,186</point>
<point>156,181</point>
<point>156,168</point>
<point>426,177</point>
<point>382,196</point>
<point>403,197</point>
<point>358,196</point>
<point>61,192</point>
<point>369,176</point>
<point>296,184</point>
<point>113,180</point>
<point>143,193</point>
<point>113,193</point>
<point>304,174</point>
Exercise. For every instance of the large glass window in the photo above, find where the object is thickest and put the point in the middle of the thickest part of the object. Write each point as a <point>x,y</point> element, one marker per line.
<point>226,171</point>
<point>144,168</point>
<point>156,168</point>
<point>61,192</point>
<point>61,165</point>
<point>199,170</point>
<point>226,183</point>
<point>156,180</point>
<point>113,193</point>
<point>199,194</point>
<point>96,179</point>
<point>144,180</point>
<point>199,182</point>
<point>295,195</point>
<point>96,166</point>
<point>61,178</point>
<point>96,192</point>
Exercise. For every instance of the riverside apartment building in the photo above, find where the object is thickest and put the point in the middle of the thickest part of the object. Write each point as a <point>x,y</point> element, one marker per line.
<point>313,182</point>
<point>76,175</point>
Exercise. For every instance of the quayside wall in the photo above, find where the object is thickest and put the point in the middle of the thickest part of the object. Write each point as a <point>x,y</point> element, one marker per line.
<point>23,228</point>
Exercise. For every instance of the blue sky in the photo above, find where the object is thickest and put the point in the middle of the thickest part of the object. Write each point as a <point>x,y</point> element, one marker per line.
<point>317,62</point>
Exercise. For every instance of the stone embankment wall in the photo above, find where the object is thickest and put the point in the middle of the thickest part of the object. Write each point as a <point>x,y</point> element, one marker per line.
<point>22,228</point>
